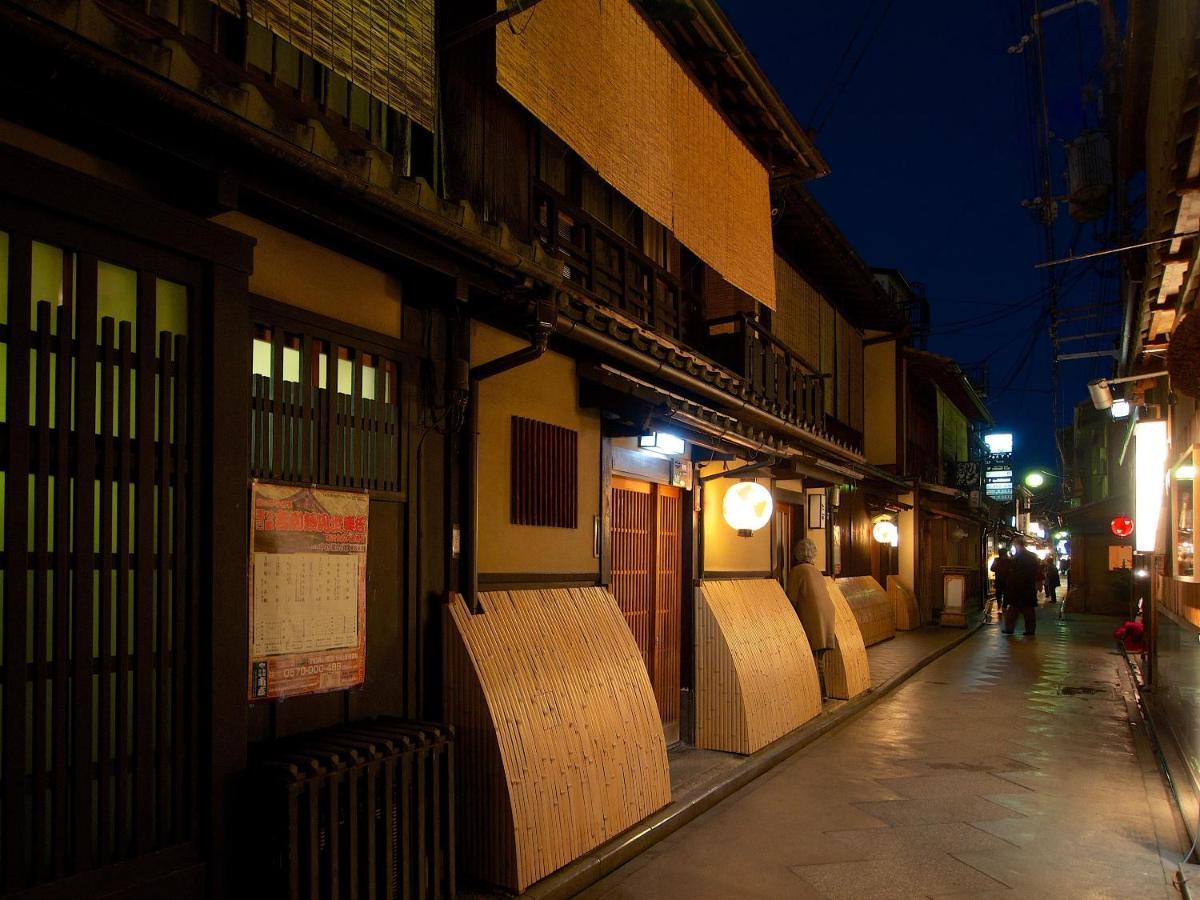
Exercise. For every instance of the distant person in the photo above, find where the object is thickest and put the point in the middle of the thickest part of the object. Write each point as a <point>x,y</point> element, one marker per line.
<point>999,569</point>
<point>1020,598</point>
<point>809,594</point>
<point>1053,580</point>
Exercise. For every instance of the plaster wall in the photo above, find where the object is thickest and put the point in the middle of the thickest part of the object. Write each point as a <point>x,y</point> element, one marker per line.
<point>547,390</point>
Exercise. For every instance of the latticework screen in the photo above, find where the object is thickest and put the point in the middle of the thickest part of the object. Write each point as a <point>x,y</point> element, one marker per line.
<point>383,46</point>
<point>797,320</point>
<point>597,75</point>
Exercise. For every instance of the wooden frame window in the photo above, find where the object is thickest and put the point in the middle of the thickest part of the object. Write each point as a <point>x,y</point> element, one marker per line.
<point>545,474</point>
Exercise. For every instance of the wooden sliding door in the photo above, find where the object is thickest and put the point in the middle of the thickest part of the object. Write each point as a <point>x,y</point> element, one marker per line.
<point>647,582</point>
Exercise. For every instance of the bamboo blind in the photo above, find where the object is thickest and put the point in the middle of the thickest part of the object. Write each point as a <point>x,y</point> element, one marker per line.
<point>597,75</point>
<point>871,606</point>
<point>846,671</point>
<point>904,600</point>
<point>755,675</point>
<point>560,744</point>
<point>797,319</point>
<point>385,47</point>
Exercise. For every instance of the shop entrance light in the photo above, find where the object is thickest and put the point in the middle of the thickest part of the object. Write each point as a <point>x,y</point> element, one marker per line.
<point>747,507</point>
<point>1149,464</point>
<point>661,442</point>
<point>1120,408</point>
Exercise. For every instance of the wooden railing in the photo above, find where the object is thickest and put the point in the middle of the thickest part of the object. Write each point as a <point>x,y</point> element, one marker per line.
<point>782,381</point>
<point>614,270</point>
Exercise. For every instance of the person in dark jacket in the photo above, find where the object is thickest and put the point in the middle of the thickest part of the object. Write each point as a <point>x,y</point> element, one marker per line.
<point>1021,583</point>
<point>1053,580</point>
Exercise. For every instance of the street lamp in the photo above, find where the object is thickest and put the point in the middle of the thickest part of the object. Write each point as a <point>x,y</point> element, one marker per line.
<point>1037,478</point>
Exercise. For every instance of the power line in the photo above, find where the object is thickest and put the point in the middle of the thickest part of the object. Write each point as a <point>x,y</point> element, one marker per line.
<point>841,90</point>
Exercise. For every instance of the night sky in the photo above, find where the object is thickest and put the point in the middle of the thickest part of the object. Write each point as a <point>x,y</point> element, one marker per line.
<point>932,152</point>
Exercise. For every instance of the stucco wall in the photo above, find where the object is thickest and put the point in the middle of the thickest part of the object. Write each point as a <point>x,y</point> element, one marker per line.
<point>546,390</point>
<point>724,550</point>
<point>292,270</point>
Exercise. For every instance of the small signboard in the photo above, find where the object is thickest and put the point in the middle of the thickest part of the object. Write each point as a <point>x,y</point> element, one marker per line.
<point>308,590</point>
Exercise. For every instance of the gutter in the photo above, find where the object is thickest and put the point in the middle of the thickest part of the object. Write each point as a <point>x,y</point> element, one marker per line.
<point>539,338</point>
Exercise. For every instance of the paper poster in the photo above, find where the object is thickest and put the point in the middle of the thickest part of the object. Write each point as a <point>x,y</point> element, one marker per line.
<point>308,590</point>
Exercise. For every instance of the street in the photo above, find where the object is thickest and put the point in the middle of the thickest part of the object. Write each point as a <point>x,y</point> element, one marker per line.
<point>1006,768</point>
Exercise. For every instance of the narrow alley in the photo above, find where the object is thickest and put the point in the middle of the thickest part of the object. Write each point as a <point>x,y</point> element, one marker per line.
<point>1008,767</point>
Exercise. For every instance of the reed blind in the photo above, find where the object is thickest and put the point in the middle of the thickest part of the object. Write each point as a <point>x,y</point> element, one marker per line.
<point>385,47</point>
<point>597,75</point>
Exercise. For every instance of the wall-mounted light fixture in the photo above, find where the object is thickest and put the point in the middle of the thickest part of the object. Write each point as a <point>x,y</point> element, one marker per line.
<point>1101,389</point>
<point>1120,408</point>
<point>661,442</point>
<point>747,507</point>
<point>1149,465</point>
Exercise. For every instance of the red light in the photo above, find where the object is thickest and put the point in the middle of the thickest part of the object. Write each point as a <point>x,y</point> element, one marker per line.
<point>1122,526</point>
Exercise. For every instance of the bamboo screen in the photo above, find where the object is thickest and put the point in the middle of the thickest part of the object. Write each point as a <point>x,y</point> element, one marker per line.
<point>384,47</point>
<point>797,320</point>
<point>596,74</point>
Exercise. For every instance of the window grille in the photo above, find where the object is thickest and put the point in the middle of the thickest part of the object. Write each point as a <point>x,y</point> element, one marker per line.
<point>545,474</point>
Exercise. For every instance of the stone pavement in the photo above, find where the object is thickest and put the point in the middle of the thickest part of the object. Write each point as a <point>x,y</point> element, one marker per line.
<point>1007,768</point>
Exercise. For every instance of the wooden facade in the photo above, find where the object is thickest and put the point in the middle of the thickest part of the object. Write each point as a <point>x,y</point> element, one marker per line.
<point>278,271</point>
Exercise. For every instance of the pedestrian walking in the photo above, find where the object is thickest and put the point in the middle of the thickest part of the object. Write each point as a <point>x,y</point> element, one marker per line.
<point>1053,579</point>
<point>999,570</point>
<point>809,594</point>
<point>1020,598</point>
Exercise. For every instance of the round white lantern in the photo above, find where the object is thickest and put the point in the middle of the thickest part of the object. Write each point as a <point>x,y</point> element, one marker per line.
<point>747,507</point>
<point>885,532</point>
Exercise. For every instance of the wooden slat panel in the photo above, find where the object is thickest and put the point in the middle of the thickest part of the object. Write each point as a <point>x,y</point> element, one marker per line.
<point>545,474</point>
<point>16,598</point>
<point>162,594</point>
<point>755,675</point>
<point>42,621</point>
<point>183,666</point>
<point>144,806</point>
<point>668,588</point>
<point>124,819</point>
<point>847,673</point>
<point>872,608</point>
<point>104,596</point>
<point>537,686</point>
<point>83,600</point>
<point>60,727</point>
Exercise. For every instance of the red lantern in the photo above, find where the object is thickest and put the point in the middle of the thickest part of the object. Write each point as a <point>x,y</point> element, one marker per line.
<point>1122,526</point>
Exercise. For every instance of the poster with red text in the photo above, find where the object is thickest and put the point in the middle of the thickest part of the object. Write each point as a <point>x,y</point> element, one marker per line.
<point>308,590</point>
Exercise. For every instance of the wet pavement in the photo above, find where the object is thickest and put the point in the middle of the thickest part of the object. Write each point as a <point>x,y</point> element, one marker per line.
<point>1007,768</point>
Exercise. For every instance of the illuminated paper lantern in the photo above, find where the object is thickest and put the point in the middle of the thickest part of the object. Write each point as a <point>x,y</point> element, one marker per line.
<point>885,532</point>
<point>747,507</point>
<point>1122,526</point>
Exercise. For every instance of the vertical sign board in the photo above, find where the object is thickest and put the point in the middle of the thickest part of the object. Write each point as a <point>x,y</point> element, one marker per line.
<point>308,590</point>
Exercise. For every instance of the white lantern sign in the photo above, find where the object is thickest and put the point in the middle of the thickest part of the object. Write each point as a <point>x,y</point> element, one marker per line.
<point>885,532</point>
<point>747,507</point>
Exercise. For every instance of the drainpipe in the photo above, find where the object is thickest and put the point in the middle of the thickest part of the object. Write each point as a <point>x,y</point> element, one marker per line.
<point>539,337</point>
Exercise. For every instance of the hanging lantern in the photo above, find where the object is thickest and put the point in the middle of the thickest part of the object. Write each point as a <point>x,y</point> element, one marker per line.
<point>1122,526</point>
<point>747,507</point>
<point>885,532</point>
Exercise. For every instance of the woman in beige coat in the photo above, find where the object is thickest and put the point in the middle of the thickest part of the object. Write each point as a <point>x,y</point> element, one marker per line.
<point>810,597</point>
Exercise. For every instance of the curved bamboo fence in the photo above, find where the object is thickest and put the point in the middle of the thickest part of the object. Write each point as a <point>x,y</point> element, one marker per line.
<point>846,671</point>
<point>873,609</point>
<point>755,675</point>
<point>559,741</point>
<point>908,615</point>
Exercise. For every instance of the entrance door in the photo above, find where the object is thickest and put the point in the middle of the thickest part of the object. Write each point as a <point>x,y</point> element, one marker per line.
<point>647,582</point>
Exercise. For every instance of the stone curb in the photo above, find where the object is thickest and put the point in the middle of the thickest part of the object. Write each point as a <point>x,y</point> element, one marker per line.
<point>607,858</point>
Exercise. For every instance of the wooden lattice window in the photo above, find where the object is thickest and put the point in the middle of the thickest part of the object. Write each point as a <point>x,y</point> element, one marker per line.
<point>545,474</point>
<point>326,410</point>
<point>101,615</point>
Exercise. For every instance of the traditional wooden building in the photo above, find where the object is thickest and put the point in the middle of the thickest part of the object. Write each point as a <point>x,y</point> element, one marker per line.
<point>1158,138</point>
<point>357,380</point>
<point>924,426</point>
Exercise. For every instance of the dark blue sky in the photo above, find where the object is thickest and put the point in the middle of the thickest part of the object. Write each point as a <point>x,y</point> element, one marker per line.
<point>931,153</point>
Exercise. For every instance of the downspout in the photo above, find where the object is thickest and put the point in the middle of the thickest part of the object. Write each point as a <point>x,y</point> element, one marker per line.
<point>539,337</point>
